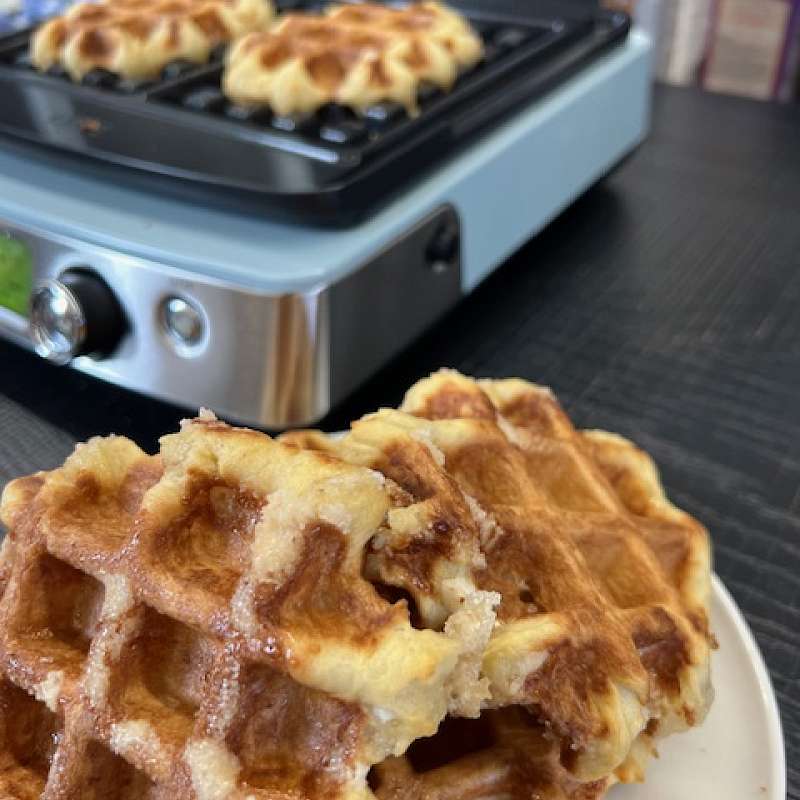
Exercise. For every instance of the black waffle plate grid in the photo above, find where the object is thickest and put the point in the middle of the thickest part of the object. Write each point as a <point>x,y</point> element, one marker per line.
<point>186,107</point>
<point>196,88</point>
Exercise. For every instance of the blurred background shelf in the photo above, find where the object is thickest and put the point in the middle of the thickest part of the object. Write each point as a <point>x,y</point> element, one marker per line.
<point>742,47</point>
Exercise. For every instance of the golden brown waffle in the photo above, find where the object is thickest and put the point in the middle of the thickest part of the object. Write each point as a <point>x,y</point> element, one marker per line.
<point>138,38</point>
<point>238,618</point>
<point>197,626</point>
<point>679,542</point>
<point>603,635</point>
<point>430,20</point>
<point>505,753</point>
<point>650,561</point>
<point>353,56</point>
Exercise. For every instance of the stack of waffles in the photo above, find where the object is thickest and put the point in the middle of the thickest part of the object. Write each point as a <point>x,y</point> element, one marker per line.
<point>465,599</point>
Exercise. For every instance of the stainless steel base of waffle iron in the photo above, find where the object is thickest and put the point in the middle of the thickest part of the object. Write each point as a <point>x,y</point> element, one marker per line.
<point>206,304</point>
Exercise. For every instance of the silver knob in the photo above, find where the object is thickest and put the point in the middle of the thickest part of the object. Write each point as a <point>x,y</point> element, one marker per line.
<point>183,321</point>
<point>74,315</point>
<point>58,322</point>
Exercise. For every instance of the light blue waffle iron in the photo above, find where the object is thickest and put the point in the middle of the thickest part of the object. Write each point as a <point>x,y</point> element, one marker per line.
<point>207,303</point>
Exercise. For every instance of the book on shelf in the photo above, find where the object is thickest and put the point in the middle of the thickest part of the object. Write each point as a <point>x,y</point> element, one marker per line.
<point>750,47</point>
<point>743,47</point>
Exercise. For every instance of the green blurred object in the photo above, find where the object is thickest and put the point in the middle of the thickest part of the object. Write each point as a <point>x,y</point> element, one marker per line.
<point>16,275</point>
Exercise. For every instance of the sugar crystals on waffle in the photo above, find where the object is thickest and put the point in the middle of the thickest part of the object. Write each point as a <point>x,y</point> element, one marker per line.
<point>136,39</point>
<point>650,561</point>
<point>196,625</point>
<point>602,631</point>
<point>354,56</point>
<point>463,598</point>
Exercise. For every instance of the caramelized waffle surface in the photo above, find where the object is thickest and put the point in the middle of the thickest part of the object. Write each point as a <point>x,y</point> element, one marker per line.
<point>199,625</point>
<point>354,56</point>
<point>602,631</point>
<point>136,39</point>
<point>465,598</point>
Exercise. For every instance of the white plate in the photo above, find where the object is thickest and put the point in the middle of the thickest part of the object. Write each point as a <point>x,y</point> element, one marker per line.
<point>737,754</point>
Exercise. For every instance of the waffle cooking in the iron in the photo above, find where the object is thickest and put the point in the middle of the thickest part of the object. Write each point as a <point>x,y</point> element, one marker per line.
<point>354,56</point>
<point>465,598</point>
<point>136,39</point>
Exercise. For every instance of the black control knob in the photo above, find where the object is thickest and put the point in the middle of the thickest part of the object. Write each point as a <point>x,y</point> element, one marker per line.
<point>75,315</point>
<point>444,246</point>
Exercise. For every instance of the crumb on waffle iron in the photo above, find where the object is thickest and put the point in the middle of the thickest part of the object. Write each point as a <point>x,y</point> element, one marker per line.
<point>353,55</point>
<point>136,39</point>
<point>464,598</point>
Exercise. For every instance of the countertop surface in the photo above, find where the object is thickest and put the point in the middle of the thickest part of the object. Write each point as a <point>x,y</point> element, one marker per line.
<point>662,305</point>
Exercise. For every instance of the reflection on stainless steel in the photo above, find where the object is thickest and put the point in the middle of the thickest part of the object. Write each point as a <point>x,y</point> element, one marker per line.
<point>290,390</point>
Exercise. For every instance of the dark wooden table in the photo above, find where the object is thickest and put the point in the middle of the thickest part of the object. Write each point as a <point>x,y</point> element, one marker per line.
<point>664,305</point>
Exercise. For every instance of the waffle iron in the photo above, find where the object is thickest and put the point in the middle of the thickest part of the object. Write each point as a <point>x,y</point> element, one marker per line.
<point>161,238</point>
